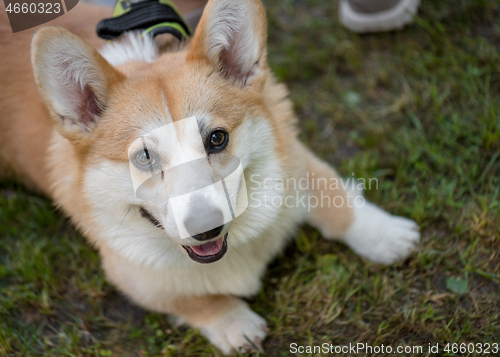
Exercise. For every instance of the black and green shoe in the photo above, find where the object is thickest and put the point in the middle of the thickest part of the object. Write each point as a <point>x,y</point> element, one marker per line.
<point>152,17</point>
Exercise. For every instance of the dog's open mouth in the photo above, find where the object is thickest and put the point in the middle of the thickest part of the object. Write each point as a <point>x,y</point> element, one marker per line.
<point>204,253</point>
<point>208,252</point>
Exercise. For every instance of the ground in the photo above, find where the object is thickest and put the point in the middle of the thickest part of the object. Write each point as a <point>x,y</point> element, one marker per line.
<point>417,109</point>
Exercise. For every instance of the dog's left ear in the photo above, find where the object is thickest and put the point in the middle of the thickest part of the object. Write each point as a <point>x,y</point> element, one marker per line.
<point>73,79</point>
<point>232,35</point>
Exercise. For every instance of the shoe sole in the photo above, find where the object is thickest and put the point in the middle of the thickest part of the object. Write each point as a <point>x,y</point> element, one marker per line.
<point>387,20</point>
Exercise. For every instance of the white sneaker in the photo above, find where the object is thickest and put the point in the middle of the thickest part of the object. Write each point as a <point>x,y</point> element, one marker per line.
<point>377,15</point>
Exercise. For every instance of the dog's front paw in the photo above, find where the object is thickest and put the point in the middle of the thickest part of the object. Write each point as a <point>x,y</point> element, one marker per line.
<point>240,330</point>
<point>381,237</point>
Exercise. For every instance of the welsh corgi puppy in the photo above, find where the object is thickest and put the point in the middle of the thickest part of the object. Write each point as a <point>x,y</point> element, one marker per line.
<point>182,168</point>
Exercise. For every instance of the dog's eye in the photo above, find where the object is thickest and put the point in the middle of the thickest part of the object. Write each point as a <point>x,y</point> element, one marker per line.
<point>143,158</point>
<point>218,140</point>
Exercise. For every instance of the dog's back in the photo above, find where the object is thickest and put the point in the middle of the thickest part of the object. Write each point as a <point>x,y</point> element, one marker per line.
<point>22,114</point>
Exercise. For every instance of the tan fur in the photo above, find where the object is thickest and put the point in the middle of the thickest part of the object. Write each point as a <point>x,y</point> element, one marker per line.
<point>19,122</point>
<point>37,147</point>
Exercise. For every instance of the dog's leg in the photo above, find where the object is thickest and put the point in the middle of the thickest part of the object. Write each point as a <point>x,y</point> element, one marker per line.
<point>342,213</point>
<point>227,322</point>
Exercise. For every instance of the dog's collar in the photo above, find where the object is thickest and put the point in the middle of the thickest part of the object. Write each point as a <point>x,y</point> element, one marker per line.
<point>152,17</point>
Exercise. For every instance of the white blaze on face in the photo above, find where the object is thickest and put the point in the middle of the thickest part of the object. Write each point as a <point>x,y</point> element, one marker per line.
<point>200,196</point>
<point>184,139</point>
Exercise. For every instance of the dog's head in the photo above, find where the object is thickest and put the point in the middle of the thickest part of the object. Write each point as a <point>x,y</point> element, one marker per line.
<point>163,143</point>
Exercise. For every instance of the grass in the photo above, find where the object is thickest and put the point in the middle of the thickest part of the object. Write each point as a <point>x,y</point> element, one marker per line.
<point>418,109</point>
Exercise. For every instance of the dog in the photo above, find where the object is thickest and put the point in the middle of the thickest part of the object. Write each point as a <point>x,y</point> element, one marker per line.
<point>87,127</point>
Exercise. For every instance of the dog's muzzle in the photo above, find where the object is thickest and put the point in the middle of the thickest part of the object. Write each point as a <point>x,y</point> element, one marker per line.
<point>205,253</point>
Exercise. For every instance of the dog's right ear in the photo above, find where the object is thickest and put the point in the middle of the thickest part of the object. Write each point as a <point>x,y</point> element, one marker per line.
<point>73,79</point>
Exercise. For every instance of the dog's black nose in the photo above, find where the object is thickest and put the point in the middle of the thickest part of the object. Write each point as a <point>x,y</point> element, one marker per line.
<point>209,235</point>
<point>201,227</point>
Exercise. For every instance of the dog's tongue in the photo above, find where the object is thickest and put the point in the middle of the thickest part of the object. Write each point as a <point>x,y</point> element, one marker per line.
<point>210,248</point>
